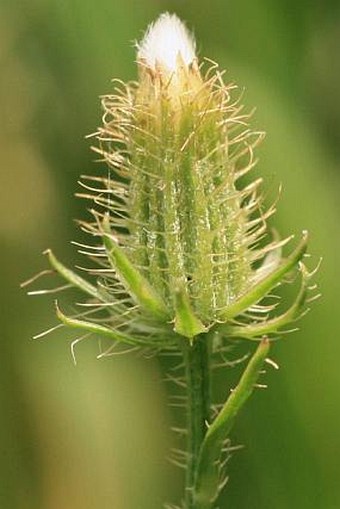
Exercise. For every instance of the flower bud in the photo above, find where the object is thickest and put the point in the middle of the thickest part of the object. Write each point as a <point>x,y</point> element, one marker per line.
<point>184,246</point>
<point>189,227</point>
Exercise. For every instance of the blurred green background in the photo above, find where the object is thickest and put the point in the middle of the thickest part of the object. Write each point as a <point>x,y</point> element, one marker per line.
<point>96,436</point>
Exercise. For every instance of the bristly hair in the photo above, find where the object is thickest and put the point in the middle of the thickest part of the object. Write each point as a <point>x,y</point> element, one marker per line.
<point>174,205</point>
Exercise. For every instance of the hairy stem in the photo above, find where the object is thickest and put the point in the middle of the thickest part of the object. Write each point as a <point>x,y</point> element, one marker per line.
<point>197,372</point>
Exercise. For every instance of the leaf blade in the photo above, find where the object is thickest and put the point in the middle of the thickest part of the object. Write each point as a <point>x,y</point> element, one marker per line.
<point>262,287</point>
<point>140,288</point>
<point>94,328</point>
<point>207,482</point>
<point>73,278</point>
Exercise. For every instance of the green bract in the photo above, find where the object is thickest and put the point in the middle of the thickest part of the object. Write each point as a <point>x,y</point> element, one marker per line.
<point>179,237</point>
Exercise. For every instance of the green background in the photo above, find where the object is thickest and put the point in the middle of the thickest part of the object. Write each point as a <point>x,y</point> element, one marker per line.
<point>96,436</point>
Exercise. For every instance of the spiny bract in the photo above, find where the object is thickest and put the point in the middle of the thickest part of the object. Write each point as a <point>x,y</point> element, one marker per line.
<point>181,244</point>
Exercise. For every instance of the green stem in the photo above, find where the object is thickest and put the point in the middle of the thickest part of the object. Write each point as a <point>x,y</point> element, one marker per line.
<point>197,372</point>
<point>208,473</point>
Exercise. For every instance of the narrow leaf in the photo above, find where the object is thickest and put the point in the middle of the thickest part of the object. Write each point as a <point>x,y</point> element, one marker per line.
<point>137,285</point>
<point>73,278</point>
<point>94,328</point>
<point>186,322</point>
<point>275,324</point>
<point>208,470</point>
<point>262,287</point>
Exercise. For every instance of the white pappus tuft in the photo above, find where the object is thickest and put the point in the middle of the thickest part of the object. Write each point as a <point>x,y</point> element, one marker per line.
<point>164,40</point>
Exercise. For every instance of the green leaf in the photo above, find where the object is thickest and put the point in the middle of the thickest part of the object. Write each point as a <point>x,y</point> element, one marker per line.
<point>135,283</point>
<point>275,324</point>
<point>208,472</point>
<point>73,278</point>
<point>262,287</point>
<point>186,322</point>
<point>94,328</point>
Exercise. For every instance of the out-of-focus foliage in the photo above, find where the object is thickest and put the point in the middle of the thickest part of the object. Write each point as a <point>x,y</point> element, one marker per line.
<point>96,435</point>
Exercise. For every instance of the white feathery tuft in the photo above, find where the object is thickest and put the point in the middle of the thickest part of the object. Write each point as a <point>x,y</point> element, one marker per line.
<point>164,40</point>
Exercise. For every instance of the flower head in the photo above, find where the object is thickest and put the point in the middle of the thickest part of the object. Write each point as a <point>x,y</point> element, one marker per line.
<point>184,236</point>
<point>164,41</point>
